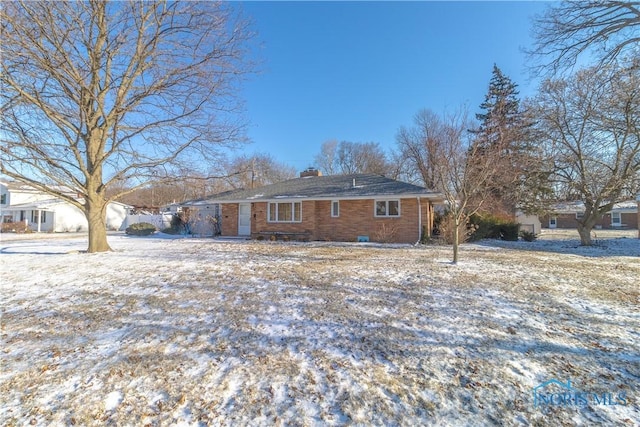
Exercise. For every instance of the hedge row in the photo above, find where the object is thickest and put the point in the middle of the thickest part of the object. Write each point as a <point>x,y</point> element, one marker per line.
<point>491,227</point>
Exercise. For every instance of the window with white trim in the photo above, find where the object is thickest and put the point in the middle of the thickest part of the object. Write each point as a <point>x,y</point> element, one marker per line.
<point>335,208</point>
<point>616,219</point>
<point>285,212</point>
<point>579,215</point>
<point>34,217</point>
<point>387,208</point>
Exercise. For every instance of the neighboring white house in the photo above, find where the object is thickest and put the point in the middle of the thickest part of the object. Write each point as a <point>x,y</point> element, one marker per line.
<point>20,202</point>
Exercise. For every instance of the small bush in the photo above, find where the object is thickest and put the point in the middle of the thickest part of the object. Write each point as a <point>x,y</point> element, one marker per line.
<point>528,236</point>
<point>444,228</point>
<point>141,229</point>
<point>170,230</point>
<point>386,233</point>
<point>15,227</point>
<point>491,227</point>
<point>424,237</point>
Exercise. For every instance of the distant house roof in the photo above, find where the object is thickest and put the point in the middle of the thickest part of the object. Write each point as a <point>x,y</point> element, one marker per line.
<point>22,187</point>
<point>43,205</point>
<point>629,206</point>
<point>46,205</point>
<point>356,186</point>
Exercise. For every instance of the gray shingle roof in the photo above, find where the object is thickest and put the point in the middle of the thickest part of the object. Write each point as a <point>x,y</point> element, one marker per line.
<point>325,187</point>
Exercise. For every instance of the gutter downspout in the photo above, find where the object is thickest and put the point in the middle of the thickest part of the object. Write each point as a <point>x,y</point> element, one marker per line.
<point>419,221</point>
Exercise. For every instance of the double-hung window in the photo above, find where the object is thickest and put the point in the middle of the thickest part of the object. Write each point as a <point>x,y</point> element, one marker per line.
<point>285,212</point>
<point>335,208</point>
<point>616,219</point>
<point>387,208</point>
<point>34,217</point>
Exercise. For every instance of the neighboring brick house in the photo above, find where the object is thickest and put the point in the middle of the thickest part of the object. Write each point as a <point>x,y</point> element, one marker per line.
<point>363,207</point>
<point>623,215</point>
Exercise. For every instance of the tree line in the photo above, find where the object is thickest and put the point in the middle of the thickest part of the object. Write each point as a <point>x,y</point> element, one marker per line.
<point>125,99</point>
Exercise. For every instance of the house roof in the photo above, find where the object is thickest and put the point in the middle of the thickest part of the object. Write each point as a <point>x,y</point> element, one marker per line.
<point>43,205</point>
<point>355,186</point>
<point>629,206</point>
<point>22,187</point>
<point>46,205</point>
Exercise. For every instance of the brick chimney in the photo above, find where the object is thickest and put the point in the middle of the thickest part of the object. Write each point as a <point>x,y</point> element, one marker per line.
<point>310,172</point>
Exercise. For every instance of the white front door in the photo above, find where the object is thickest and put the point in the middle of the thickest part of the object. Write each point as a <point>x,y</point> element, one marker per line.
<point>244,219</point>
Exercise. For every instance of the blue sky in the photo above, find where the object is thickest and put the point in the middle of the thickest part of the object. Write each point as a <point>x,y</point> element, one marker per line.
<point>357,71</point>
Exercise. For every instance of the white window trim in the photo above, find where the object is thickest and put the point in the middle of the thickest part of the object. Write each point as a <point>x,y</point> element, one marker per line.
<point>375,208</point>
<point>579,215</point>
<point>619,222</point>
<point>34,216</point>
<point>293,212</point>
<point>333,213</point>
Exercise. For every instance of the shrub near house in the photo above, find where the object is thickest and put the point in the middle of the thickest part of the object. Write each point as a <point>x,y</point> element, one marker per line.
<point>141,229</point>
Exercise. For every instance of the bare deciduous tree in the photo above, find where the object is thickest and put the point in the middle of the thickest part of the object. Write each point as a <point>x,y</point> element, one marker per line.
<point>455,165</point>
<point>417,146</point>
<point>353,157</point>
<point>326,159</point>
<point>97,93</point>
<point>590,123</point>
<point>609,30</point>
<point>255,171</point>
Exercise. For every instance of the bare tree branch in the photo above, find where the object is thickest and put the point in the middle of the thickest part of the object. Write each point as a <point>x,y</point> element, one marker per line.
<point>608,30</point>
<point>96,93</point>
<point>590,123</point>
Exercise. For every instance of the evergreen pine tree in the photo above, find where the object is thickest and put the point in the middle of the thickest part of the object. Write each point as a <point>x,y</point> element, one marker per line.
<point>505,134</point>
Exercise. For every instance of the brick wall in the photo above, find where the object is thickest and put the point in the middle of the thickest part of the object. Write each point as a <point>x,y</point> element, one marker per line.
<point>259,223</point>
<point>629,220</point>
<point>356,219</point>
<point>229,219</point>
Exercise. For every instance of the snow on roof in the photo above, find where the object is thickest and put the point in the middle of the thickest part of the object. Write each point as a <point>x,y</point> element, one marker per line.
<point>47,204</point>
<point>578,206</point>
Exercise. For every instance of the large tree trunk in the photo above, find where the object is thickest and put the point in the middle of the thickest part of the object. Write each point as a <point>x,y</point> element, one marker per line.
<point>95,211</point>
<point>585,235</point>
<point>586,226</point>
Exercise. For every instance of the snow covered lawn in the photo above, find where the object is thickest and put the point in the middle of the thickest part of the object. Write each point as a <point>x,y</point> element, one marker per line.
<point>205,332</point>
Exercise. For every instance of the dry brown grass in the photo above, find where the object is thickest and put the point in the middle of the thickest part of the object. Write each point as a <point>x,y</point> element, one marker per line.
<point>265,333</point>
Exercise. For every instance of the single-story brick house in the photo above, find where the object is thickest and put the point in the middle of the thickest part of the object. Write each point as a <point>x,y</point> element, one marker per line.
<point>359,207</point>
<point>623,215</point>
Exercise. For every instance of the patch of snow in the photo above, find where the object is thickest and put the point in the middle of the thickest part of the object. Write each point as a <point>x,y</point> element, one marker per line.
<point>207,332</point>
<point>112,401</point>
